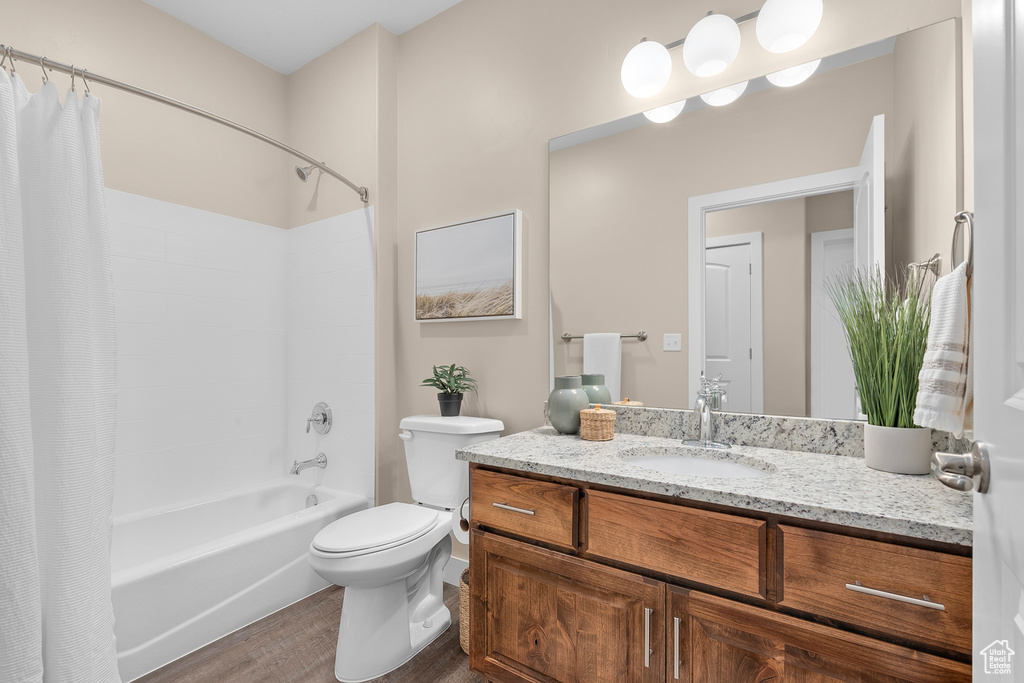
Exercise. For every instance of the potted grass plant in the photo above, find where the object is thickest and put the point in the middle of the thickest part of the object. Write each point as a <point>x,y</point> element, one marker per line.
<point>886,325</point>
<point>451,381</point>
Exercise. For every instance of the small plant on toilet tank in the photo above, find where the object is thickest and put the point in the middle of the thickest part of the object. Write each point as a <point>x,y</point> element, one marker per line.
<point>451,381</point>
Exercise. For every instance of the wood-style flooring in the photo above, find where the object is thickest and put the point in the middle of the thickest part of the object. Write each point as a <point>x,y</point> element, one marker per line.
<point>297,644</point>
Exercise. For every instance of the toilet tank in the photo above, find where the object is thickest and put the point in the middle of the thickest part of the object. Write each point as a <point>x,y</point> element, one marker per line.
<point>435,476</point>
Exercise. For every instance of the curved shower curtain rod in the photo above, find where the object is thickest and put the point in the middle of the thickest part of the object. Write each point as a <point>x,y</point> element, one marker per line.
<point>88,76</point>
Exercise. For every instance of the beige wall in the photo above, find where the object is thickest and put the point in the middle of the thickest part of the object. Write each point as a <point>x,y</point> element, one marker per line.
<point>927,141</point>
<point>149,148</point>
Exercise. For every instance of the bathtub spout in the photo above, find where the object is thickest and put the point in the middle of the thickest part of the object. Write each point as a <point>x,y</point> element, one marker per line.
<point>319,461</point>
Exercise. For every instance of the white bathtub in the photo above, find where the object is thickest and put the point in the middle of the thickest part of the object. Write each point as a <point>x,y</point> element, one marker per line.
<point>187,575</point>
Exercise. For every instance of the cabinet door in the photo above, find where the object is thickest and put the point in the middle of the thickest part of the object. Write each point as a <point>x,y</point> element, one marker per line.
<point>733,642</point>
<point>538,615</point>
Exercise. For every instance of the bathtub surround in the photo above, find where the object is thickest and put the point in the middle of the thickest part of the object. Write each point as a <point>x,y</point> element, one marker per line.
<point>231,331</point>
<point>330,350</point>
<point>58,400</point>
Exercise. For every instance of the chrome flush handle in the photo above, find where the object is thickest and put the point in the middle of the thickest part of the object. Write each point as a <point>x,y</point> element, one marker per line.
<point>959,471</point>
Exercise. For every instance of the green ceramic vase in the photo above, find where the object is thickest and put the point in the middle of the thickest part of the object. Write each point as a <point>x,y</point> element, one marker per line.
<point>565,404</point>
<point>595,388</point>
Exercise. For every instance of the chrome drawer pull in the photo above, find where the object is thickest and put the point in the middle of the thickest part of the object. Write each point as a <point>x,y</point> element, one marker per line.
<point>647,636</point>
<point>896,596</point>
<point>676,641</point>
<point>503,506</point>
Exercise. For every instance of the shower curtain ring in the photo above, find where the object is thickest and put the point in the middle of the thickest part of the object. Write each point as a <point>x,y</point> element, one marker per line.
<point>72,78</point>
<point>43,69</point>
<point>86,82</point>
<point>9,51</point>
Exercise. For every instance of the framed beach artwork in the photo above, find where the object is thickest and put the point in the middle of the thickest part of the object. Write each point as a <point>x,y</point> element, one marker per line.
<point>470,270</point>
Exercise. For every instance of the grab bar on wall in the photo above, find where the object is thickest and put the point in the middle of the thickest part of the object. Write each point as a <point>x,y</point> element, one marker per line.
<point>639,336</point>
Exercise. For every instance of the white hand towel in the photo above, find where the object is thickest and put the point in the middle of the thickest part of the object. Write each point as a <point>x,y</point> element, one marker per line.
<point>602,353</point>
<point>945,391</point>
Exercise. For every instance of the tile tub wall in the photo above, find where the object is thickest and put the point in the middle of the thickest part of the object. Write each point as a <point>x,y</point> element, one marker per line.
<point>203,305</point>
<point>330,346</point>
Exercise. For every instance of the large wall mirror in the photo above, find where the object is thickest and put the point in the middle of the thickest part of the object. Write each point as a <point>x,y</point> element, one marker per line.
<point>721,225</point>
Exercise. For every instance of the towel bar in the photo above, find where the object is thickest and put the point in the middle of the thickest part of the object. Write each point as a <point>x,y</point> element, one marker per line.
<point>640,336</point>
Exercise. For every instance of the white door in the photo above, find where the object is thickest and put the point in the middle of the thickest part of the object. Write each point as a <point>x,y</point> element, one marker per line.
<point>869,200</point>
<point>833,387</point>
<point>728,330</point>
<point>997,335</point>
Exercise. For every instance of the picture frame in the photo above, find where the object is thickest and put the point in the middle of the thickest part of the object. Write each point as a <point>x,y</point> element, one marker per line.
<point>470,270</point>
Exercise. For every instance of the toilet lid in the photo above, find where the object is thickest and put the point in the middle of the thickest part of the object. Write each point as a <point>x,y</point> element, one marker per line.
<point>387,525</point>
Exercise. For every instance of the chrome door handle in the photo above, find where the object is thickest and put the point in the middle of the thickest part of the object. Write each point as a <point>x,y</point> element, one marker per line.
<point>512,508</point>
<point>675,639</point>
<point>647,636</point>
<point>958,471</point>
<point>896,596</point>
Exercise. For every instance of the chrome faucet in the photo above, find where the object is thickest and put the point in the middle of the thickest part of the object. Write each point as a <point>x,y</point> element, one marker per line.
<point>709,399</point>
<point>319,461</point>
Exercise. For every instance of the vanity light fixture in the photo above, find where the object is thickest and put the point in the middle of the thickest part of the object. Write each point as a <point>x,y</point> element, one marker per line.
<point>785,25</point>
<point>646,68</point>
<point>794,75</point>
<point>711,45</point>
<point>724,96</point>
<point>666,113</point>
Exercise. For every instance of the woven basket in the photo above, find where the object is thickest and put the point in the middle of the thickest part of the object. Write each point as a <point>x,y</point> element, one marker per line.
<point>627,402</point>
<point>464,611</point>
<point>597,424</point>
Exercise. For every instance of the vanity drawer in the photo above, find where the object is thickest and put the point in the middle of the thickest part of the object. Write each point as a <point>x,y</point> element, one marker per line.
<point>725,551</point>
<point>859,582</point>
<point>538,510</point>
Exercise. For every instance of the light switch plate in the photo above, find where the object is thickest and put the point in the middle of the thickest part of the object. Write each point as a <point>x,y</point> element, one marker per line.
<point>672,342</point>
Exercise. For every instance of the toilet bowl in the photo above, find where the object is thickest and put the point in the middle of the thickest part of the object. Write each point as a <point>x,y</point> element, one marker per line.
<point>391,558</point>
<point>392,574</point>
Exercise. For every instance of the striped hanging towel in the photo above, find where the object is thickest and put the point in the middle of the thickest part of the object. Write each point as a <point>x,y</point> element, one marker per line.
<point>945,394</point>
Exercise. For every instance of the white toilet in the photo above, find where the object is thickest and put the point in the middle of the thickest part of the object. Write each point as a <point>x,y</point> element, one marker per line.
<point>390,558</point>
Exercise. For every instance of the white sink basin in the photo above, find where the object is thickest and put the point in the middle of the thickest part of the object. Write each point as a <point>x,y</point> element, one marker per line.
<point>697,463</point>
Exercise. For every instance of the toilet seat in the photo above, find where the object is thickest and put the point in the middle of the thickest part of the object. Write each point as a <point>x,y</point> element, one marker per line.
<point>375,529</point>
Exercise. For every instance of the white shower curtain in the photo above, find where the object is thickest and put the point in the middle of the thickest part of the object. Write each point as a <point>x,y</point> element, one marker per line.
<point>58,369</point>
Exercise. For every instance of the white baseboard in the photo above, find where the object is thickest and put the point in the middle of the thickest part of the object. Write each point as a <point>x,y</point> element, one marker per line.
<point>453,570</point>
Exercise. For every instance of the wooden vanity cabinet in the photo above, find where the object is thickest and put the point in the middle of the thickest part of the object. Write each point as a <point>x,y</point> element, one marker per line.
<point>541,616</point>
<point>730,641</point>
<point>547,615</point>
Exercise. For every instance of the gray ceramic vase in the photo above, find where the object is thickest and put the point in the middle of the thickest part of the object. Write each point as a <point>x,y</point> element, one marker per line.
<point>565,404</point>
<point>595,388</point>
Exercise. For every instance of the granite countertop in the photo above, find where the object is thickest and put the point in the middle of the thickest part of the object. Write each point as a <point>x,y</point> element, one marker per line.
<point>826,488</point>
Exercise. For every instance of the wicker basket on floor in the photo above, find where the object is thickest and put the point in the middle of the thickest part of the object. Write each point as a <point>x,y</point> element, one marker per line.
<point>464,611</point>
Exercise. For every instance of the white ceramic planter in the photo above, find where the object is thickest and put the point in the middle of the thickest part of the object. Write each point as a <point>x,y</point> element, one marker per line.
<point>898,449</point>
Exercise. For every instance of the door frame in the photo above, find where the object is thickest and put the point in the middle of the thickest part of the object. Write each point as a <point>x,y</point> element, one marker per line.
<point>698,209</point>
<point>756,242</point>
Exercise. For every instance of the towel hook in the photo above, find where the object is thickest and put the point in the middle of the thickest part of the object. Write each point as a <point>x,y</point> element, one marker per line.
<point>964,218</point>
<point>85,82</point>
<point>9,51</point>
<point>72,78</point>
<point>46,79</point>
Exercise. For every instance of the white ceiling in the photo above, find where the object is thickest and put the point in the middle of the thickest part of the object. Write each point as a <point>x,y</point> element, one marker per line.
<point>287,34</point>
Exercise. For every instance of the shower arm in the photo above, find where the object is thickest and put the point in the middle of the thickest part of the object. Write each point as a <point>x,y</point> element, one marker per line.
<point>177,104</point>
